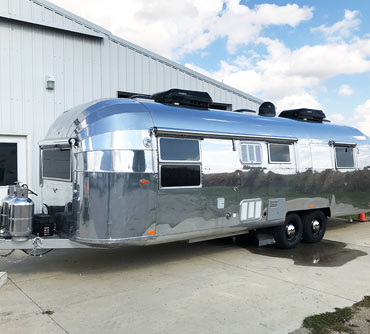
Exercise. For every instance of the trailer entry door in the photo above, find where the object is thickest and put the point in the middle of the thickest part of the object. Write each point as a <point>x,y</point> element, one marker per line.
<point>180,184</point>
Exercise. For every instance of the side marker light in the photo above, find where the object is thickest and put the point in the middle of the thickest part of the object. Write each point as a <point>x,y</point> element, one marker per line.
<point>143,182</point>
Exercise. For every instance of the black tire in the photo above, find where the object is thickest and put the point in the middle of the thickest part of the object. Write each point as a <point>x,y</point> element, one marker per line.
<point>289,239</point>
<point>313,233</point>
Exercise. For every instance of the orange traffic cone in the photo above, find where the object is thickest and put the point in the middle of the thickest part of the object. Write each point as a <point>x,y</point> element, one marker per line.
<point>361,217</point>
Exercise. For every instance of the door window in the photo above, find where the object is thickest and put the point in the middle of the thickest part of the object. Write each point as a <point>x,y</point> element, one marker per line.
<point>8,163</point>
<point>179,163</point>
<point>180,176</point>
<point>13,162</point>
<point>172,149</point>
<point>56,164</point>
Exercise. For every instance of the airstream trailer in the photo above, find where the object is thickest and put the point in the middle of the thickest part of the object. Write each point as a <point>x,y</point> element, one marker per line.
<point>165,168</point>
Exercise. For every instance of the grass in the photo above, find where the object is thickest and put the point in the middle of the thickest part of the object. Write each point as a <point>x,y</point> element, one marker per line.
<point>330,321</point>
<point>365,303</point>
<point>326,323</point>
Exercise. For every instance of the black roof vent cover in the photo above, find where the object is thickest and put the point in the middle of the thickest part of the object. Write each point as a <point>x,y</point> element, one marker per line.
<point>267,109</point>
<point>189,98</point>
<point>304,114</point>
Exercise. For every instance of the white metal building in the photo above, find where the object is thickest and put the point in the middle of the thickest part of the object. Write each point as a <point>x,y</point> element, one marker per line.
<point>52,60</point>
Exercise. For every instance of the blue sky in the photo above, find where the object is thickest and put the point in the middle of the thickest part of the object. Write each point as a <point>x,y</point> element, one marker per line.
<point>312,54</point>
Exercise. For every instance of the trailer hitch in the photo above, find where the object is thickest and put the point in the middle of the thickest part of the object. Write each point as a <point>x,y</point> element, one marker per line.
<point>36,245</point>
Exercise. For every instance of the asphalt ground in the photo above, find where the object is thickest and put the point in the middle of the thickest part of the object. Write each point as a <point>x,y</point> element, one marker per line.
<point>214,287</point>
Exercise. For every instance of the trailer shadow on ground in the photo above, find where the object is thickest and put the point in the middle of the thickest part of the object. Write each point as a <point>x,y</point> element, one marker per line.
<point>326,254</point>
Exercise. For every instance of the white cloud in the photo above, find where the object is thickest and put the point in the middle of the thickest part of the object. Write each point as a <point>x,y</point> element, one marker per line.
<point>338,119</point>
<point>173,28</point>
<point>242,25</point>
<point>345,90</point>
<point>329,60</point>
<point>299,100</point>
<point>362,117</point>
<point>291,77</point>
<point>170,28</point>
<point>341,29</point>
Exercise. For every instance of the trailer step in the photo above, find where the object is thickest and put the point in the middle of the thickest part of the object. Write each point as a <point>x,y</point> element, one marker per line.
<point>265,239</point>
<point>217,236</point>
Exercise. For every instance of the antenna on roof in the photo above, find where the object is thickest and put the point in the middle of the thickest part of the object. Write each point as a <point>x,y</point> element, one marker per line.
<point>267,109</point>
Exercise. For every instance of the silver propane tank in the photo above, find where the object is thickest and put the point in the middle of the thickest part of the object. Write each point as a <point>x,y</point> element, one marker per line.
<point>4,213</point>
<point>21,210</point>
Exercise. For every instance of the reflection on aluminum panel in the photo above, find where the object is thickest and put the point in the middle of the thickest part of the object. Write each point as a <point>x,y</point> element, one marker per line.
<point>321,157</point>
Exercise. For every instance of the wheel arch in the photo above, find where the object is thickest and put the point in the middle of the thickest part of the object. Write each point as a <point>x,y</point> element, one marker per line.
<point>326,211</point>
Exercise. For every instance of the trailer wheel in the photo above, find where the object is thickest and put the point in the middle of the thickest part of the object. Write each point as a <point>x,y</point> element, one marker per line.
<point>289,234</point>
<point>314,226</point>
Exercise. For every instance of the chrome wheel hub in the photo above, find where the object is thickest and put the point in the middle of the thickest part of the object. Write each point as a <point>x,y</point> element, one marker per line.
<point>290,231</point>
<point>316,226</point>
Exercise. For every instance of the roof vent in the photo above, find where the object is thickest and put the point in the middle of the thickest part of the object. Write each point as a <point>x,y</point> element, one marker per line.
<point>267,109</point>
<point>182,97</point>
<point>304,114</point>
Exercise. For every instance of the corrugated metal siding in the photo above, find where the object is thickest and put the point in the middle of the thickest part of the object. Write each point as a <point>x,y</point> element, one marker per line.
<point>85,68</point>
<point>46,14</point>
<point>133,71</point>
<point>27,54</point>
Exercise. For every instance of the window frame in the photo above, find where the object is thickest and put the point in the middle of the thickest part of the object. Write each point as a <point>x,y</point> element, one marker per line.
<point>241,155</point>
<point>335,146</point>
<point>279,162</point>
<point>53,148</point>
<point>179,161</point>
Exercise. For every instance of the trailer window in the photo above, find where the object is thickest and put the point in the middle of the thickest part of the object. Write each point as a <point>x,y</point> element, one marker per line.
<point>56,164</point>
<point>344,157</point>
<point>279,153</point>
<point>180,176</point>
<point>250,153</point>
<point>172,149</point>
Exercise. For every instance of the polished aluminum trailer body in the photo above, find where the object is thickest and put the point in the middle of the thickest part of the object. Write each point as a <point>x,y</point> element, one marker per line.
<point>116,197</point>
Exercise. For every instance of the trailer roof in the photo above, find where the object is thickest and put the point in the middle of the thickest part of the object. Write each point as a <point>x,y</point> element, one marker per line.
<point>192,120</point>
<point>248,124</point>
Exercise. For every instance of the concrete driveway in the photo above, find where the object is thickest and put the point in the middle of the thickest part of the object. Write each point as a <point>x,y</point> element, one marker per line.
<point>210,287</point>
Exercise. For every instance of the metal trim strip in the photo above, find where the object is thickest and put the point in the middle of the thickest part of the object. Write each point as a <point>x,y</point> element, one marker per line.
<point>342,144</point>
<point>221,135</point>
<point>55,142</point>
<point>51,26</point>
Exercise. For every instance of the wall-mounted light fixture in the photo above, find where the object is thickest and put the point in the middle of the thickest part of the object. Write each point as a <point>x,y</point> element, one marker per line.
<point>50,82</point>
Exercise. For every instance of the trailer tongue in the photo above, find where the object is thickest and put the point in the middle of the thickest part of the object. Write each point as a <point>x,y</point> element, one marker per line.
<point>37,243</point>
